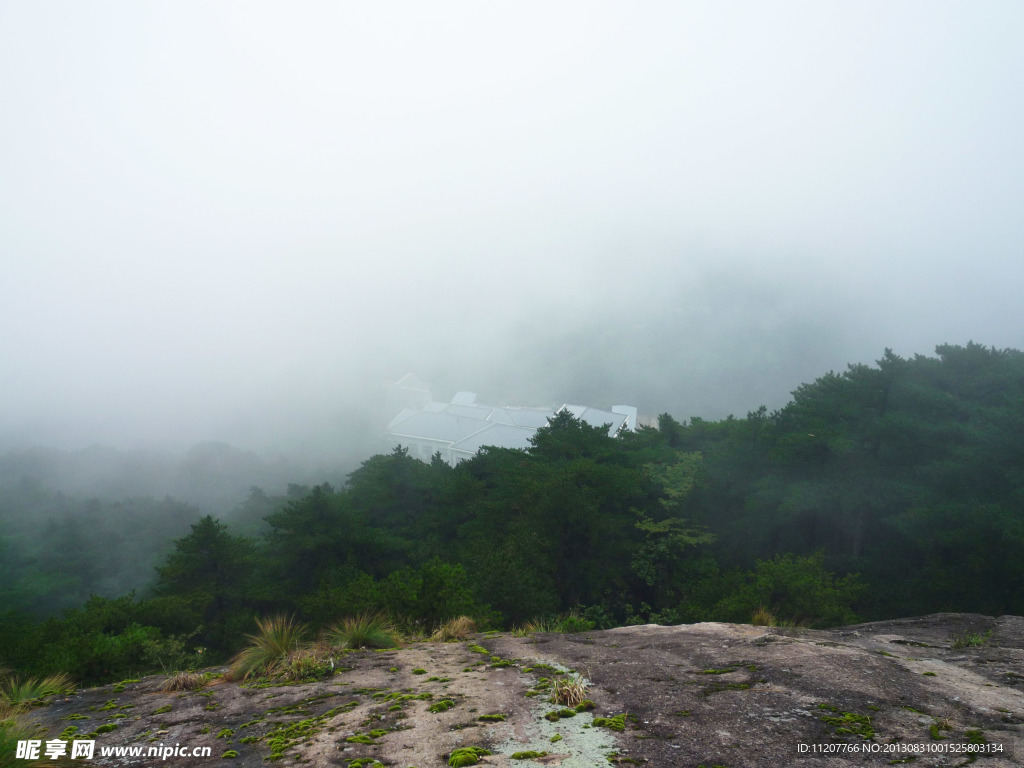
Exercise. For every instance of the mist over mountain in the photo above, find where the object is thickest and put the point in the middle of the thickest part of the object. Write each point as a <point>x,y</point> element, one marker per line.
<point>238,227</point>
<point>214,477</point>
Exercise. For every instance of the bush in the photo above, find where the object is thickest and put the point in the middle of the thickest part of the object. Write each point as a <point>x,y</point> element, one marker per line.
<point>433,592</point>
<point>98,657</point>
<point>796,590</point>
<point>345,592</point>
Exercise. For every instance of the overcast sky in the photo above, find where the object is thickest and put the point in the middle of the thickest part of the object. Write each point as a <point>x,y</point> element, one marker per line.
<point>236,221</point>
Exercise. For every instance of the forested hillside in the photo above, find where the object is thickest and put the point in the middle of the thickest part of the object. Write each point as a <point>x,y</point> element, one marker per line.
<point>884,491</point>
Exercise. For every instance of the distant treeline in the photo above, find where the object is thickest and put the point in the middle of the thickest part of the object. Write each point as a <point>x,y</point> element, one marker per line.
<point>907,478</point>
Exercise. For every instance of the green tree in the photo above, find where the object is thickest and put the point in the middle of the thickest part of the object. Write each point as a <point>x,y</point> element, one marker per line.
<point>211,572</point>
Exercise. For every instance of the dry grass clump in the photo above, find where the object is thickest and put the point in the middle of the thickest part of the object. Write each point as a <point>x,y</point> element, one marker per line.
<point>184,681</point>
<point>269,648</point>
<point>454,629</point>
<point>570,691</point>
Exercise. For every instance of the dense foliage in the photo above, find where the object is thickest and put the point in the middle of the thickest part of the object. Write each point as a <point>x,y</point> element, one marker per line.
<point>909,474</point>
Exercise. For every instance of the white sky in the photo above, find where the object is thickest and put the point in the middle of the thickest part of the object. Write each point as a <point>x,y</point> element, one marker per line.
<point>221,219</point>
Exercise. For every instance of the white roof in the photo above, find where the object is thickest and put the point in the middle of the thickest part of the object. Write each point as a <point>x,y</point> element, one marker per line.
<point>501,435</point>
<point>465,426</point>
<point>596,417</point>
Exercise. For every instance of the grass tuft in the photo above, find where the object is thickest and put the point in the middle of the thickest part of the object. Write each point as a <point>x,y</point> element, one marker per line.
<point>969,640</point>
<point>365,630</point>
<point>17,691</point>
<point>13,728</point>
<point>269,648</point>
<point>565,623</point>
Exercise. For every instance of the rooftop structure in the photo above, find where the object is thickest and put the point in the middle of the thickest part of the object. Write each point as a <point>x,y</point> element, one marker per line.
<point>460,428</point>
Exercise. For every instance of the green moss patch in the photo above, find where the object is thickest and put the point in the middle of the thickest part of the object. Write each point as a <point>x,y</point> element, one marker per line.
<point>287,735</point>
<point>617,723</point>
<point>361,738</point>
<point>847,723</point>
<point>441,706</point>
<point>466,756</point>
<point>935,730</point>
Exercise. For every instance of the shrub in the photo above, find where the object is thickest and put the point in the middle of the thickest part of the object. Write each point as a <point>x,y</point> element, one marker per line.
<point>94,656</point>
<point>799,590</point>
<point>277,638</point>
<point>366,630</point>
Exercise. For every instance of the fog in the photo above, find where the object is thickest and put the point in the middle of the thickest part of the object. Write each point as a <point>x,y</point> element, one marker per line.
<point>238,221</point>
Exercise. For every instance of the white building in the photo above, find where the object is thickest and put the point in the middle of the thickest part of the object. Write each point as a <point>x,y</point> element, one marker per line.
<point>462,427</point>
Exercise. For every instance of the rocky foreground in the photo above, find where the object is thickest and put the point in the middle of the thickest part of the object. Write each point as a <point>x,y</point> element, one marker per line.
<point>941,690</point>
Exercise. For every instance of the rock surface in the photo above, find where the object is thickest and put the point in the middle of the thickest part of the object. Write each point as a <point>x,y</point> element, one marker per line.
<point>916,691</point>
